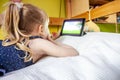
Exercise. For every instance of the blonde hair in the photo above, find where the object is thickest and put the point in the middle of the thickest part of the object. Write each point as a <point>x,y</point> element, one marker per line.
<point>19,24</point>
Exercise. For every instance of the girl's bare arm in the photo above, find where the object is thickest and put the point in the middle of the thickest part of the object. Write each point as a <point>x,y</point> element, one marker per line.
<point>54,49</point>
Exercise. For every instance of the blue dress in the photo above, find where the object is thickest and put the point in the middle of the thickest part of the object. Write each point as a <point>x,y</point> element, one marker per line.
<point>11,59</point>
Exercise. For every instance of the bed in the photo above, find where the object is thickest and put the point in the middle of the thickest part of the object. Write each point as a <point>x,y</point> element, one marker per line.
<point>99,59</point>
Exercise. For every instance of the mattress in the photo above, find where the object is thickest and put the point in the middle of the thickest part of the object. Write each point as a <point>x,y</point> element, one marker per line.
<point>98,59</point>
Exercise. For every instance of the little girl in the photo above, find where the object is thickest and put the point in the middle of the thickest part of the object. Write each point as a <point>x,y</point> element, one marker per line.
<point>28,38</point>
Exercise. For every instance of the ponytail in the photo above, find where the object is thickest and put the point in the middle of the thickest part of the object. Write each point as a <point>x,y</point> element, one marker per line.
<point>11,26</point>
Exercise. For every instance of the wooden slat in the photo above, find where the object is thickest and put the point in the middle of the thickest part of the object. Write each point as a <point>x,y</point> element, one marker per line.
<point>84,15</point>
<point>106,9</point>
<point>56,21</point>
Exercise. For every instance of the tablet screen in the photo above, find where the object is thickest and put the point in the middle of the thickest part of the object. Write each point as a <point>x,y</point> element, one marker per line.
<point>73,26</point>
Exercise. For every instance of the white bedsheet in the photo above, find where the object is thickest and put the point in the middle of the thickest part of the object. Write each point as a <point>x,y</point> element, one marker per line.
<point>99,59</point>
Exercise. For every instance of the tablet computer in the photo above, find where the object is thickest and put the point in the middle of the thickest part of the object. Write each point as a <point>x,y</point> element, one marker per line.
<point>73,27</point>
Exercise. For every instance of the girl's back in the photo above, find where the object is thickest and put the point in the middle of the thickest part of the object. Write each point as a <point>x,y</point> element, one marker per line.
<point>11,58</point>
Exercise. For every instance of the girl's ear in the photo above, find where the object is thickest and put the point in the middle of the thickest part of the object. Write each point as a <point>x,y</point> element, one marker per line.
<point>40,29</point>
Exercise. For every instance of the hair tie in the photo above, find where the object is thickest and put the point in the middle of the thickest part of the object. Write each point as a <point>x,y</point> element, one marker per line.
<point>19,5</point>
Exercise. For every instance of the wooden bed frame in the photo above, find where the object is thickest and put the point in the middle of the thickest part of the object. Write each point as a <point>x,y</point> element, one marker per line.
<point>106,9</point>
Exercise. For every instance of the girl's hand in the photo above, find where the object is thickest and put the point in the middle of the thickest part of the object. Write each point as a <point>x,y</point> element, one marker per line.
<point>55,35</point>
